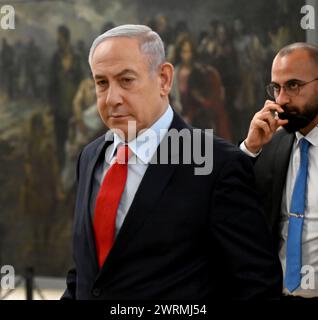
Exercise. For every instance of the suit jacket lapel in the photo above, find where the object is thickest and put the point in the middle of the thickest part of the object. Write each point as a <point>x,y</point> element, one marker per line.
<point>281,163</point>
<point>88,189</point>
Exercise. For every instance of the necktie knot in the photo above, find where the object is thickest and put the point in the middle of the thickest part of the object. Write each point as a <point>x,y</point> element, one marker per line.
<point>123,154</point>
<point>304,145</point>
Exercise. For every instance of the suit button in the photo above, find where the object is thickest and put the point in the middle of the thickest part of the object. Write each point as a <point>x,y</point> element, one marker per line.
<point>97,292</point>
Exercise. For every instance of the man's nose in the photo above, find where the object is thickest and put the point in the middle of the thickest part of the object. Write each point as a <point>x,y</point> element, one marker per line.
<point>114,96</point>
<point>283,98</point>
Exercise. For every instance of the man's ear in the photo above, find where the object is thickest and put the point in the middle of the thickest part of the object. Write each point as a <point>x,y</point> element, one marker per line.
<point>166,78</point>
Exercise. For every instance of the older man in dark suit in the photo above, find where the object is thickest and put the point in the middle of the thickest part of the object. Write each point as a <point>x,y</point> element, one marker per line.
<point>147,228</point>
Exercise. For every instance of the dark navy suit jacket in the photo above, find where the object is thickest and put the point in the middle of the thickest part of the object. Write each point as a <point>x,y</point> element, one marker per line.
<point>185,236</point>
<point>271,170</point>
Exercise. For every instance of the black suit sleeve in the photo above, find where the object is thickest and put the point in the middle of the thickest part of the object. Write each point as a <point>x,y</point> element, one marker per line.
<point>248,265</point>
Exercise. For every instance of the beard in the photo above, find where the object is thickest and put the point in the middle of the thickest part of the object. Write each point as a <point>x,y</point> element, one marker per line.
<point>298,120</point>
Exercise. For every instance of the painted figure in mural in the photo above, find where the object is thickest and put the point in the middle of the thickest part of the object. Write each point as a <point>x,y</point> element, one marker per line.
<point>65,75</point>
<point>251,57</point>
<point>198,91</point>
<point>7,69</point>
<point>39,208</point>
<point>85,125</point>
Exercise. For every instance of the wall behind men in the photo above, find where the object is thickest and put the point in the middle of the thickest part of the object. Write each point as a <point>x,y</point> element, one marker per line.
<point>38,188</point>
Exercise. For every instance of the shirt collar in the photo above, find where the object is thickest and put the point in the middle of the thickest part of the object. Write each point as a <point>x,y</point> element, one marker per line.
<point>311,136</point>
<point>145,144</point>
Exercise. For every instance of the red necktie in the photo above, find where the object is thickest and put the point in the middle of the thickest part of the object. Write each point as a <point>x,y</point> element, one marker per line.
<point>107,203</point>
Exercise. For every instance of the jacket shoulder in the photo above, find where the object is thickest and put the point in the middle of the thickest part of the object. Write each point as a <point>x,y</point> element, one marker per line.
<point>281,136</point>
<point>227,149</point>
<point>90,151</point>
<point>92,146</point>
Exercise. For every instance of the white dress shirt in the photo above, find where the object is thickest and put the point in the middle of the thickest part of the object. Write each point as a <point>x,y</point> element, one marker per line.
<point>143,149</point>
<point>310,226</point>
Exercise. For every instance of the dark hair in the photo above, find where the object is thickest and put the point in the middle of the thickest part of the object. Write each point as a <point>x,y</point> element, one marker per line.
<point>64,31</point>
<point>180,43</point>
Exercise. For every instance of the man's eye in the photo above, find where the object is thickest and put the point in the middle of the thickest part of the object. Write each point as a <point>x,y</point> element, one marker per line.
<point>101,83</point>
<point>127,81</point>
<point>292,85</point>
<point>276,87</point>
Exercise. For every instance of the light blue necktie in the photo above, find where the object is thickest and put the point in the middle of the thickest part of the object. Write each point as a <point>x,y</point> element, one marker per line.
<point>296,220</point>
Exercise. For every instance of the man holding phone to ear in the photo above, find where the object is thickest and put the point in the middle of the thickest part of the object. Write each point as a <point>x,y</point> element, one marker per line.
<point>286,165</point>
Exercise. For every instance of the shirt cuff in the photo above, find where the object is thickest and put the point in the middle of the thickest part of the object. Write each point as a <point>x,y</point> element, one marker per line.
<point>249,153</point>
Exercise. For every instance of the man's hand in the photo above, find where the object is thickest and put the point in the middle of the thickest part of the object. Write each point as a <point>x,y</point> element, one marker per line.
<point>263,125</point>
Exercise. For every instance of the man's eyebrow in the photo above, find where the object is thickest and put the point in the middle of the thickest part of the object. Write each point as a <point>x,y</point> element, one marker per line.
<point>121,73</point>
<point>98,76</point>
<point>288,81</point>
<point>294,80</point>
<point>125,72</point>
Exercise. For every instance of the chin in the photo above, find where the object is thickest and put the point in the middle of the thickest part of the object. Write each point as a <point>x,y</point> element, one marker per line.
<point>121,129</point>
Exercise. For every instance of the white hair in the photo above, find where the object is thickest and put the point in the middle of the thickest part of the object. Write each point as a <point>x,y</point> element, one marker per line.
<point>150,42</point>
